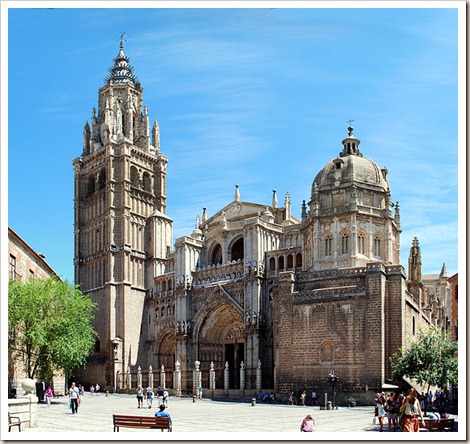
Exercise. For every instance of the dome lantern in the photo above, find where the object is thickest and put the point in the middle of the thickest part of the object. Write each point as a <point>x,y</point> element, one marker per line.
<point>350,144</point>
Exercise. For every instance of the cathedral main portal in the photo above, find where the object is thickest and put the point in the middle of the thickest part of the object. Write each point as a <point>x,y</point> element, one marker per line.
<point>219,338</point>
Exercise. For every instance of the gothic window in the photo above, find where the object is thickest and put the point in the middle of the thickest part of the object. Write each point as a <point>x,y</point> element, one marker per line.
<point>90,185</point>
<point>414,326</point>
<point>272,264</point>
<point>102,179</point>
<point>290,261</point>
<point>134,177</point>
<point>237,250</point>
<point>360,244</point>
<point>216,258</point>
<point>377,247</point>
<point>298,260</point>
<point>344,244</point>
<point>328,246</point>
<point>162,312</point>
<point>326,352</point>
<point>281,262</point>
<point>146,182</point>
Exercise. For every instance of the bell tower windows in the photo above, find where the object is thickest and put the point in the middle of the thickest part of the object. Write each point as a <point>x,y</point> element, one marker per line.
<point>377,246</point>
<point>345,244</point>
<point>328,245</point>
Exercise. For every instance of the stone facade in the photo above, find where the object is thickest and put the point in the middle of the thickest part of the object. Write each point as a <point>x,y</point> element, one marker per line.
<point>256,296</point>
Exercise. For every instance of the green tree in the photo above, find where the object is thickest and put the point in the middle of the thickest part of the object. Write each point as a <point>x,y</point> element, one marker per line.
<point>429,360</point>
<point>50,326</point>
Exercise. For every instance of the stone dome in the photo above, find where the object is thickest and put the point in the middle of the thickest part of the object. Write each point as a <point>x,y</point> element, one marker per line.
<point>350,168</point>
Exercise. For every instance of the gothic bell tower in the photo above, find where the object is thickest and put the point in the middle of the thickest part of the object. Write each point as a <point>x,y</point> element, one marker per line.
<point>120,196</point>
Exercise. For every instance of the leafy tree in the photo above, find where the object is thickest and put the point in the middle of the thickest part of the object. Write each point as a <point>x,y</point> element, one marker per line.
<point>50,323</point>
<point>429,360</point>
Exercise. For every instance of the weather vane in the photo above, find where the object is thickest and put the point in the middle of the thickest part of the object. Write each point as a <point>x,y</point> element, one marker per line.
<point>349,121</point>
<point>122,38</point>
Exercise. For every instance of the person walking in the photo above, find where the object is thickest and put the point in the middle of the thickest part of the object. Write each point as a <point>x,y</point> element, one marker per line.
<point>411,409</point>
<point>380,409</point>
<point>160,396</point>
<point>48,396</point>
<point>149,397</point>
<point>73,395</point>
<point>81,390</point>
<point>303,397</point>
<point>140,397</point>
<point>392,407</point>
<point>199,393</point>
<point>166,395</point>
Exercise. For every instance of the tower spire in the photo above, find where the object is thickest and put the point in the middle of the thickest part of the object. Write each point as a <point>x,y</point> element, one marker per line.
<point>122,71</point>
<point>274,202</point>
<point>237,194</point>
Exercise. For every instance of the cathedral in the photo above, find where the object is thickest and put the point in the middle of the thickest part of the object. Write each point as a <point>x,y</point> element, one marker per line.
<point>253,298</point>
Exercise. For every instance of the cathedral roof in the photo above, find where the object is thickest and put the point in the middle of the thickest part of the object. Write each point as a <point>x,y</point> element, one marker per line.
<point>122,71</point>
<point>349,168</point>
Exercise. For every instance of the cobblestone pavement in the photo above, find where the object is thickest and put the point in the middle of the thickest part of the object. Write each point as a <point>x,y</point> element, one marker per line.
<point>222,418</point>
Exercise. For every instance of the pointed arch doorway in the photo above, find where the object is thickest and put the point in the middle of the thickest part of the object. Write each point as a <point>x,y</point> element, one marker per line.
<point>221,340</point>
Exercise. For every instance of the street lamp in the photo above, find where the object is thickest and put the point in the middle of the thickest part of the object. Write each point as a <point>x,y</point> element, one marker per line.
<point>333,379</point>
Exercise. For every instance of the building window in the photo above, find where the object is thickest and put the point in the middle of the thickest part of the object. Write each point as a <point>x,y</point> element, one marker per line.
<point>328,246</point>
<point>326,351</point>
<point>360,244</point>
<point>31,274</point>
<point>12,266</point>
<point>217,255</point>
<point>345,244</point>
<point>414,326</point>
<point>377,247</point>
<point>237,250</point>
<point>272,264</point>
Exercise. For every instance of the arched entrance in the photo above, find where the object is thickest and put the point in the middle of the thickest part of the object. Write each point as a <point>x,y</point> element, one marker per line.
<point>165,355</point>
<point>220,340</point>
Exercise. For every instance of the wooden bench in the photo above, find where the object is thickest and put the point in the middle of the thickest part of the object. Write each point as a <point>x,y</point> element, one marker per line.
<point>141,422</point>
<point>437,424</point>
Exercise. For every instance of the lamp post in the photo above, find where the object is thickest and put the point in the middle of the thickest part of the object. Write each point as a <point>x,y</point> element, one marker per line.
<point>333,379</point>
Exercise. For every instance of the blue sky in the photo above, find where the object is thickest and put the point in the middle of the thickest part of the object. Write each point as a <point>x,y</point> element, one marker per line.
<point>254,97</point>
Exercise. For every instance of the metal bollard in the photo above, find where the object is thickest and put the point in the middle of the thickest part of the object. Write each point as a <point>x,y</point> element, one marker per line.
<point>194,398</point>
<point>253,402</point>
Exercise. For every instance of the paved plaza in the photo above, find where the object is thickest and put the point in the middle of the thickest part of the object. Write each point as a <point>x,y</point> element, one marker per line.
<point>211,416</point>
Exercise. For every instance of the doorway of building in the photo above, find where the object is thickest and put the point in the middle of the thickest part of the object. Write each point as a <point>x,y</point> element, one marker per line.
<point>234,356</point>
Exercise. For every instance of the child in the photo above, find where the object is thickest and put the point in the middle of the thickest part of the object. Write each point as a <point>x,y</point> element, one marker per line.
<point>308,424</point>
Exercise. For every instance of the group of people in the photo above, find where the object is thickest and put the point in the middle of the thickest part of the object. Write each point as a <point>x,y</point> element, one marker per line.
<point>161,395</point>
<point>301,398</point>
<point>266,397</point>
<point>404,412</point>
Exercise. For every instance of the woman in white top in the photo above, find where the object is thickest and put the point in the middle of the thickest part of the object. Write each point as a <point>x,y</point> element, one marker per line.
<point>411,409</point>
<point>380,409</point>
